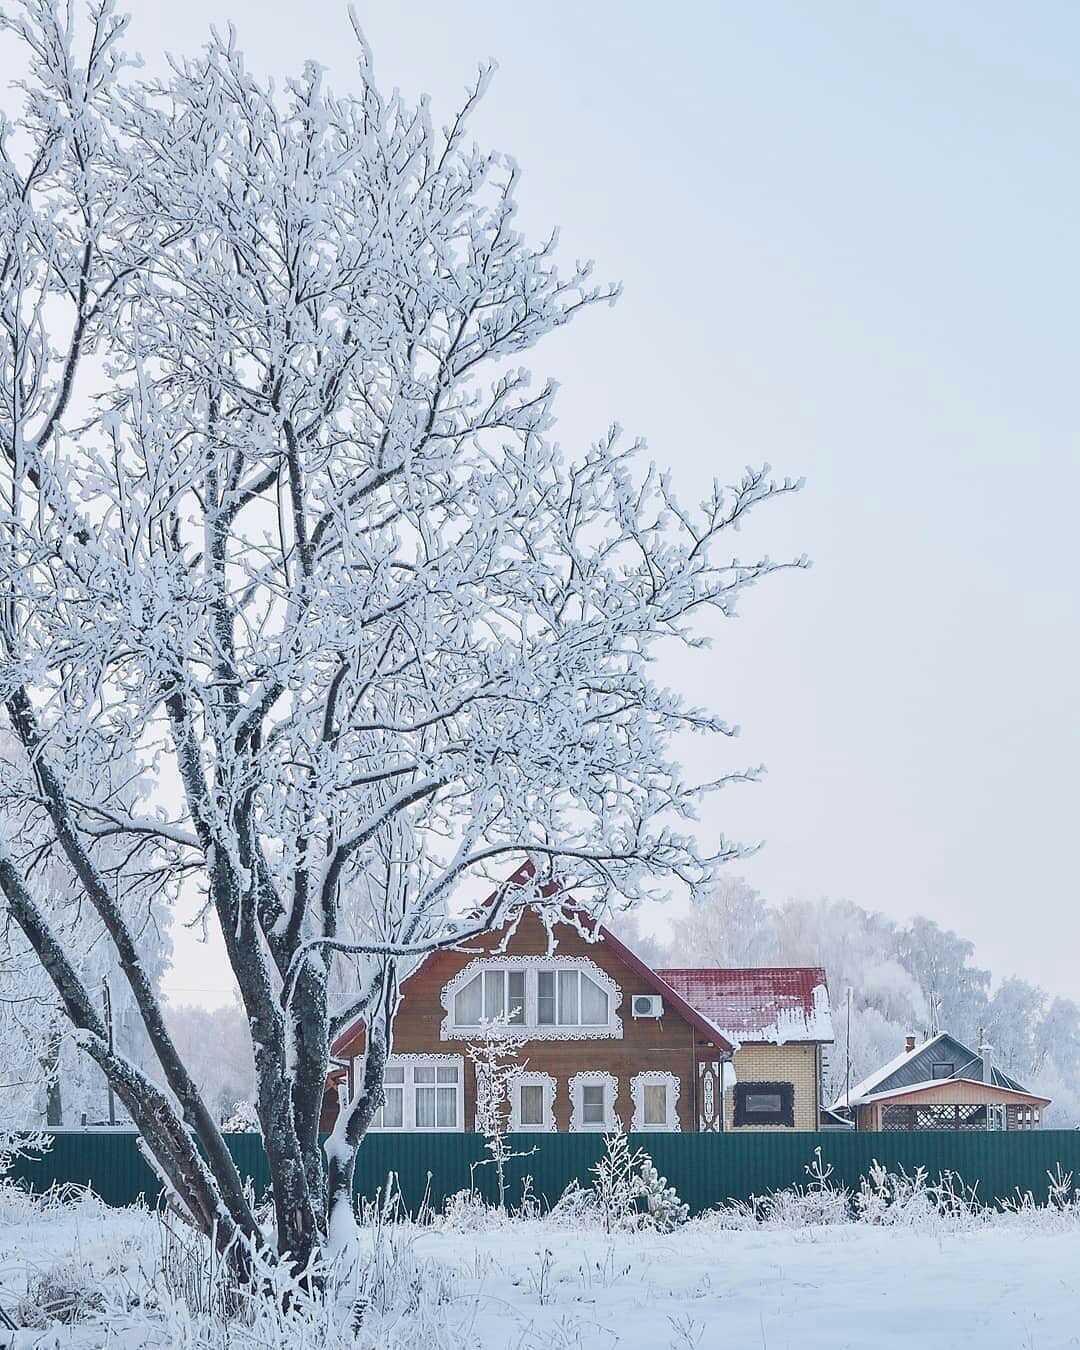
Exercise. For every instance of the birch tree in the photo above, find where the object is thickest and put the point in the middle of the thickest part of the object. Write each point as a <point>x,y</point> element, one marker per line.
<point>284,522</point>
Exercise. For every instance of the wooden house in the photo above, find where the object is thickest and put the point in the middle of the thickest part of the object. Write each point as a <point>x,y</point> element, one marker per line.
<point>604,1039</point>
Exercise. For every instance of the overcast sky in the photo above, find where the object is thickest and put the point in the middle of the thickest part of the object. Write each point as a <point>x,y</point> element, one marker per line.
<point>847,234</point>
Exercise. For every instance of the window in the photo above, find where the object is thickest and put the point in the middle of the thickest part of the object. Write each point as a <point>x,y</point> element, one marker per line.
<point>489,995</point>
<point>549,999</point>
<point>592,1104</point>
<point>764,1104</point>
<point>1022,1118</point>
<point>422,1093</point>
<point>532,1102</point>
<point>655,1094</point>
<point>391,1114</point>
<point>435,1089</point>
<point>942,1068</point>
<point>592,1099</point>
<point>569,998</point>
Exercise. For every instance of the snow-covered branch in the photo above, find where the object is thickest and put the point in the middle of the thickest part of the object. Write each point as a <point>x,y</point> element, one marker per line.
<point>299,547</point>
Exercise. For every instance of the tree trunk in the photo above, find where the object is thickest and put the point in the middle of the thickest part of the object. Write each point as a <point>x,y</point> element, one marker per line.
<point>54,1105</point>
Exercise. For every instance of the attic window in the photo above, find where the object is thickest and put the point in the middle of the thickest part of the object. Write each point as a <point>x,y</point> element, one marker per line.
<point>492,995</point>
<point>569,998</point>
<point>547,998</point>
<point>942,1068</point>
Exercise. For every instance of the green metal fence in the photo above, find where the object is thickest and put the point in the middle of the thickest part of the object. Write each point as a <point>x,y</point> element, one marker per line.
<point>706,1169</point>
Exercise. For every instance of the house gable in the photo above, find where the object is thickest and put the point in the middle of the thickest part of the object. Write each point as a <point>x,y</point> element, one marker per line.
<point>529,943</point>
<point>925,1064</point>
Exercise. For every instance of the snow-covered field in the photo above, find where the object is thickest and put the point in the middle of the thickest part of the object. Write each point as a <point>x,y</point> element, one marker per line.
<point>1012,1283</point>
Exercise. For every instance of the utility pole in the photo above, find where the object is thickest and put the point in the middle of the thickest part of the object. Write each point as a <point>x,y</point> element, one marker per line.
<point>847,1055</point>
<point>106,996</point>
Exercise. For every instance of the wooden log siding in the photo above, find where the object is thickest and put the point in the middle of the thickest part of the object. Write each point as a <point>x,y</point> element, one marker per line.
<point>670,1043</point>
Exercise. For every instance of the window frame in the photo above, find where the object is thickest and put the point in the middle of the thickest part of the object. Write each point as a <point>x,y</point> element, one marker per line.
<point>594,1078</point>
<point>482,975</point>
<point>785,1116</point>
<point>655,1078</point>
<point>531,1029</point>
<point>409,1063</point>
<point>532,1078</point>
<point>936,1064</point>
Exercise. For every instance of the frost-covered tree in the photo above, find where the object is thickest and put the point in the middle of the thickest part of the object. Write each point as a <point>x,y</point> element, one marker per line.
<point>48,1080</point>
<point>905,979</point>
<point>496,1059</point>
<point>732,926</point>
<point>283,525</point>
<point>941,963</point>
<point>627,928</point>
<point>216,1047</point>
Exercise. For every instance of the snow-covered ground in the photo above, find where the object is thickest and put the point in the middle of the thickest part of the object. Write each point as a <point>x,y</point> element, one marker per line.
<point>1010,1284</point>
<point>826,1287</point>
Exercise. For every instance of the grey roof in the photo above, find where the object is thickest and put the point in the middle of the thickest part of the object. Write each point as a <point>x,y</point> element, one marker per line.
<point>915,1066</point>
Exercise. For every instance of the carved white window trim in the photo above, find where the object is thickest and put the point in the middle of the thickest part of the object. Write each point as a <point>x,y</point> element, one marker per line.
<point>593,1078</point>
<point>408,1097</point>
<point>531,1030</point>
<point>637,1095</point>
<point>532,1078</point>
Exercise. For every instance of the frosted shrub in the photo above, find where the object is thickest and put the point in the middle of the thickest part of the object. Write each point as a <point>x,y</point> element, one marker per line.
<point>575,1208</point>
<point>616,1184</point>
<point>468,1212</point>
<point>1061,1210</point>
<point>899,1199</point>
<point>242,1119</point>
<point>820,1201</point>
<point>801,1207</point>
<point>886,1198</point>
<point>628,1192</point>
<point>663,1207</point>
<point>64,1293</point>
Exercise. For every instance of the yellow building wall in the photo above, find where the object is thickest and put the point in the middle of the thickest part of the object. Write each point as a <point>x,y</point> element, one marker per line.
<point>795,1064</point>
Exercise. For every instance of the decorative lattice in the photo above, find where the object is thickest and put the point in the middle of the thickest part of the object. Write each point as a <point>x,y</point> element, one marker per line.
<point>935,1117</point>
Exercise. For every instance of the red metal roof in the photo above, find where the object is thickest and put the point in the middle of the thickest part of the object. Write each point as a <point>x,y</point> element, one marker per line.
<point>772,1004</point>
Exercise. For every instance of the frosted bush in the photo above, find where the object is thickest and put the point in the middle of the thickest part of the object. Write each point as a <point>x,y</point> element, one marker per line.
<point>627,1194</point>
<point>575,1208</point>
<point>467,1212</point>
<point>616,1183</point>
<point>900,1199</point>
<point>889,1199</point>
<point>65,1293</point>
<point>664,1209</point>
<point>242,1119</point>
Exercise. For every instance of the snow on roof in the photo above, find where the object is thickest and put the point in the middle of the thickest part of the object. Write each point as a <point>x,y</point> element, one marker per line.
<point>861,1092</point>
<point>768,1004</point>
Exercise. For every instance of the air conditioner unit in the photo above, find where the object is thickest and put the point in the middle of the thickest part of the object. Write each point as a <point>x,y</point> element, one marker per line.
<point>647,1005</point>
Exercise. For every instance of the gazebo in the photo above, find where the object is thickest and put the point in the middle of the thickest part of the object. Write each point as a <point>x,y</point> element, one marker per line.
<point>942,1085</point>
